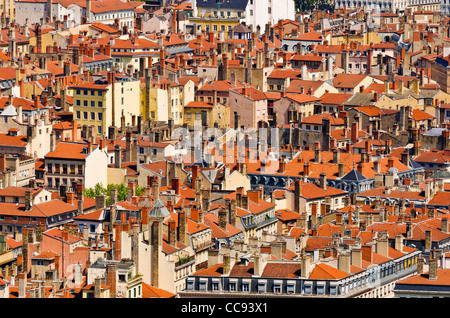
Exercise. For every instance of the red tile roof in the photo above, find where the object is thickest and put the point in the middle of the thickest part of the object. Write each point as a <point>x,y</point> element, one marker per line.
<point>324,271</point>
<point>69,150</point>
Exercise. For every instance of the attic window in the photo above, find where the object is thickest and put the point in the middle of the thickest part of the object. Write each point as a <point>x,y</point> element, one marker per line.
<point>290,288</point>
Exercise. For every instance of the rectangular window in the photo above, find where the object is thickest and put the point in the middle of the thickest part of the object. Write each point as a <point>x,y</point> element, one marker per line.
<point>277,289</point>
<point>320,289</point>
<point>261,287</point>
<point>290,288</point>
<point>190,285</point>
<point>215,286</point>
<point>307,289</point>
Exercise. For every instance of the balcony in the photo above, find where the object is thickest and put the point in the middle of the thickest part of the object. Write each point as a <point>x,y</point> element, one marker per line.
<point>204,246</point>
<point>267,221</point>
<point>184,262</point>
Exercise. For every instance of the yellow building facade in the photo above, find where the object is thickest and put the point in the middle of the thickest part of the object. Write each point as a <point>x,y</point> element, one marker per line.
<point>97,105</point>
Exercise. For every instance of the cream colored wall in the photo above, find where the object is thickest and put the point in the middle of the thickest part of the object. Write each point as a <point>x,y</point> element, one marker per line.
<point>188,94</point>
<point>143,173</point>
<point>235,180</point>
<point>96,168</point>
<point>159,104</point>
<point>208,72</point>
<point>175,105</point>
<point>130,103</point>
<point>386,102</point>
<point>116,175</point>
<point>323,88</point>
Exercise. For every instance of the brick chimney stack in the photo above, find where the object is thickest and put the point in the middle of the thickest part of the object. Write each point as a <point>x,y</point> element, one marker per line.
<point>226,264</point>
<point>28,199</point>
<point>182,227</point>
<point>172,232</point>
<point>111,270</point>
<point>433,265</point>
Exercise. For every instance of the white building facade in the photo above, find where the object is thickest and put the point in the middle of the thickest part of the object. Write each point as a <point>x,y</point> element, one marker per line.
<point>261,12</point>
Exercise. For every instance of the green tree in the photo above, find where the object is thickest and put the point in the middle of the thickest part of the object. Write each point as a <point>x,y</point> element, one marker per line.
<point>122,191</point>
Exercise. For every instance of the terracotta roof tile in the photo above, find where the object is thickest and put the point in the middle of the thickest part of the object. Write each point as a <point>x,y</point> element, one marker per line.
<point>324,271</point>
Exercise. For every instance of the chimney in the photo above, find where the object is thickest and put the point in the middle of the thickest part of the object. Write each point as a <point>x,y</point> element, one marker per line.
<point>428,240</point>
<point>182,227</point>
<point>226,264</point>
<point>172,232</point>
<point>305,270</point>
<point>100,201</point>
<point>340,170</point>
<point>383,244</point>
<point>97,287</point>
<point>399,242</point>
<point>356,257</point>
<point>258,265</point>
<point>306,169</point>
<point>244,204</point>
<point>390,163</point>
<point>28,199</point>
<point>297,195</point>
<point>344,262</point>
<point>367,252</point>
<point>317,152</point>
<point>444,224</point>
<point>155,190</point>
<point>176,185</point>
<point>111,270</point>
<point>323,181</point>
<point>354,132</point>
<point>282,165</point>
<point>223,219</point>
<point>433,268</point>
<point>22,285</point>
<point>405,158</point>
<point>336,156</point>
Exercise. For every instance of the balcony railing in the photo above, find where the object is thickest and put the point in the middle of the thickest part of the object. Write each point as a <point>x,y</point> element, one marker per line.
<point>184,262</point>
